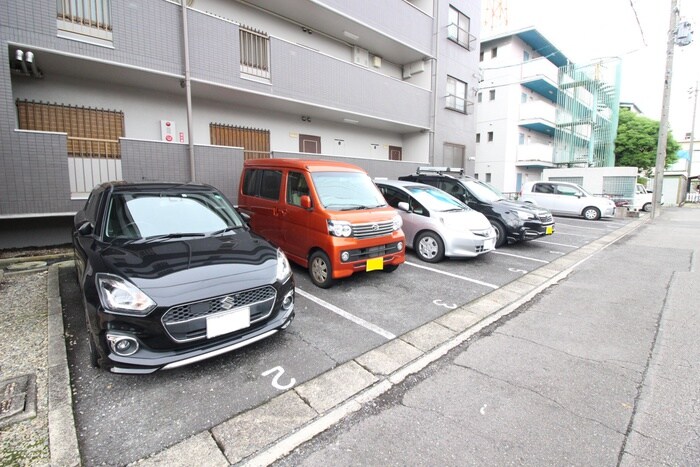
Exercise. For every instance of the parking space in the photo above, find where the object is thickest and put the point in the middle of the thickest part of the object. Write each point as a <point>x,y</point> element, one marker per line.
<point>123,418</point>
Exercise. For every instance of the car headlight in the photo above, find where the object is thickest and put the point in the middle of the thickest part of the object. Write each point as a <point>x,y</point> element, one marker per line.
<point>339,228</point>
<point>118,295</point>
<point>525,215</point>
<point>396,223</point>
<point>284,270</point>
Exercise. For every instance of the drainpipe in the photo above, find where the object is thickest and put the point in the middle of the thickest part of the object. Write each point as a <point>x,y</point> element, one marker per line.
<point>433,84</point>
<point>188,89</point>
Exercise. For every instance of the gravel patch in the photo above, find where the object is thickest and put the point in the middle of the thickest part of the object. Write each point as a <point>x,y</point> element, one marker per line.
<point>23,351</point>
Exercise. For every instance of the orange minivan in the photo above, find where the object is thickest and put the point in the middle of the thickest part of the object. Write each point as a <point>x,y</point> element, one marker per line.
<point>326,216</point>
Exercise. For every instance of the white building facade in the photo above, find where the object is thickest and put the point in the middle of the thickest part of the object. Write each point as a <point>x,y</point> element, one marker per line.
<point>516,108</point>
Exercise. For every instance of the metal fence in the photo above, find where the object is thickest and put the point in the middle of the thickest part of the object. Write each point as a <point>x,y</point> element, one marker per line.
<point>255,53</point>
<point>90,13</point>
<point>91,162</point>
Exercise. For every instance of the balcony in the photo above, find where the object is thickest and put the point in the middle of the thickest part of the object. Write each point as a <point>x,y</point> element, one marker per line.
<point>395,29</point>
<point>541,76</point>
<point>538,116</point>
<point>534,155</point>
<point>88,19</point>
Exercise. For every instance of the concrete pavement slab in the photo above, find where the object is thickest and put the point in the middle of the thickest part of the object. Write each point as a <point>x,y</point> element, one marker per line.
<point>428,336</point>
<point>200,450</point>
<point>389,357</point>
<point>335,386</point>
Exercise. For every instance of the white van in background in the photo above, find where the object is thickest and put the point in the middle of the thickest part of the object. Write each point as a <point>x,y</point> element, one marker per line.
<point>642,200</point>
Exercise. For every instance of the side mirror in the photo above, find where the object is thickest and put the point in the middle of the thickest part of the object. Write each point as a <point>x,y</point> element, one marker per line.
<point>85,228</point>
<point>305,201</point>
<point>403,206</point>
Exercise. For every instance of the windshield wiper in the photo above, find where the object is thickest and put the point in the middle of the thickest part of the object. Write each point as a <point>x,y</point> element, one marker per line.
<point>225,229</point>
<point>154,238</point>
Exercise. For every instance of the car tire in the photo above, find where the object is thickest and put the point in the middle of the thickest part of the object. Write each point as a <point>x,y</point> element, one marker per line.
<point>390,267</point>
<point>320,269</point>
<point>501,237</point>
<point>591,213</point>
<point>429,247</point>
<point>95,359</point>
<point>647,207</point>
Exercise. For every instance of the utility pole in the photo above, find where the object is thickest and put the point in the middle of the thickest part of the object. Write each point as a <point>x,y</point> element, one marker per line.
<point>663,124</point>
<point>692,132</point>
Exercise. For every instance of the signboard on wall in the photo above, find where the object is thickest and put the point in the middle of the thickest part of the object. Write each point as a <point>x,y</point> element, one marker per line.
<point>167,131</point>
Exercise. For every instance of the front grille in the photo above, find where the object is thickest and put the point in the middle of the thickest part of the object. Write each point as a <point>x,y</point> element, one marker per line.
<point>481,233</point>
<point>373,252</point>
<point>373,229</point>
<point>188,322</point>
<point>546,218</point>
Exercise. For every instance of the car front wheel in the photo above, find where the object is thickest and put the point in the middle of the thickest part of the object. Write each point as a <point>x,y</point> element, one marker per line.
<point>320,269</point>
<point>429,247</point>
<point>647,207</point>
<point>500,233</point>
<point>591,213</point>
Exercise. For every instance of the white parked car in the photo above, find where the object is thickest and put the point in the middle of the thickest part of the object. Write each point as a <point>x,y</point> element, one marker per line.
<point>435,223</point>
<point>642,200</point>
<point>567,198</point>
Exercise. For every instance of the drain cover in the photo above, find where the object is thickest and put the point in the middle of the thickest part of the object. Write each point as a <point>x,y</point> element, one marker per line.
<point>18,399</point>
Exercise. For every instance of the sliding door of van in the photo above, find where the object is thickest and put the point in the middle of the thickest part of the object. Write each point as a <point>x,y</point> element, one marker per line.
<point>298,234</point>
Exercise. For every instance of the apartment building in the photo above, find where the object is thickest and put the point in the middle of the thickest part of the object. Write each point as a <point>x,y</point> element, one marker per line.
<point>516,108</point>
<point>97,90</point>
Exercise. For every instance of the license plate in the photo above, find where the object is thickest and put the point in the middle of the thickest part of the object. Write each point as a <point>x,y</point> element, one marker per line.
<point>489,244</point>
<point>549,230</point>
<point>375,264</point>
<point>228,322</point>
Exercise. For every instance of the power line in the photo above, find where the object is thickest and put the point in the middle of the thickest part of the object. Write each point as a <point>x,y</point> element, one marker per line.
<point>636,16</point>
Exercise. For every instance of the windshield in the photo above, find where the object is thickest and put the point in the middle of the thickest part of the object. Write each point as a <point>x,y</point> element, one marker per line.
<point>346,191</point>
<point>483,192</point>
<point>436,200</point>
<point>134,216</point>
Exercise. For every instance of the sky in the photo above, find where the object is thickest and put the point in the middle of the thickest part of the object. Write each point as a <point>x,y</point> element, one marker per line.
<point>635,31</point>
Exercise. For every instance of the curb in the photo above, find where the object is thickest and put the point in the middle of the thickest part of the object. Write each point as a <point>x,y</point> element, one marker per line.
<point>63,438</point>
<point>303,412</point>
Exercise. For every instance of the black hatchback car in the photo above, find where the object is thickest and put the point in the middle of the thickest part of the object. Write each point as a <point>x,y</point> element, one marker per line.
<point>170,275</point>
<point>514,221</point>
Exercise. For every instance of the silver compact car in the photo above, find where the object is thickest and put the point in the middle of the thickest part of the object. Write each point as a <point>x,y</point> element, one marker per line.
<point>436,224</point>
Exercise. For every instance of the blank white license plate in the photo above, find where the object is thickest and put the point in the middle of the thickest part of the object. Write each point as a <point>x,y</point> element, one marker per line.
<point>228,322</point>
<point>488,244</point>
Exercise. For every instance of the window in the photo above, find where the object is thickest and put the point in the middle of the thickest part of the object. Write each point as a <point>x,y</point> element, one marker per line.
<point>456,95</point>
<point>490,136</point>
<point>458,28</point>
<point>521,138</point>
<point>85,17</point>
<point>255,53</point>
<point>543,188</point>
<point>523,98</point>
<point>494,52</point>
<point>453,155</point>
<point>296,188</point>
<point>476,176</point>
<point>254,141</point>
<point>262,183</point>
<point>526,56</point>
<point>478,137</point>
<point>488,178</point>
<point>478,97</point>
<point>567,190</point>
<point>492,95</point>
<point>481,56</point>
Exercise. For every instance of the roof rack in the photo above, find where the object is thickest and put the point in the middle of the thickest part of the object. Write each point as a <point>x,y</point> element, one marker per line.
<point>458,170</point>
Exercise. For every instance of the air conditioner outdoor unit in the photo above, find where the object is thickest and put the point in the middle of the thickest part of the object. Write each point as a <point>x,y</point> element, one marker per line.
<point>360,56</point>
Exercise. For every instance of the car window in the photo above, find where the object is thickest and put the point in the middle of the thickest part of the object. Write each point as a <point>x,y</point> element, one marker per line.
<point>393,196</point>
<point>250,182</point>
<point>270,182</point>
<point>346,191</point>
<point>296,188</point>
<point>435,199</point>
<point>132,216</point>
<point>482,191</point>
<point>567,190</point>
<point>543,188</point>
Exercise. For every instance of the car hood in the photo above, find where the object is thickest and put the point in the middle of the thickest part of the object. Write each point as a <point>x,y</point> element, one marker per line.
<point>181,270</point>
<point>469,220</point>
<point>510,205</point>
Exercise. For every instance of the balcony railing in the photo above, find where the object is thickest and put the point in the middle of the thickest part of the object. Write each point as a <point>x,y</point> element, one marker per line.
<point>85,17</point>
<point>92,161</point>
<point>535,152</point>
<point>458,104</point>
<point>255,53</point>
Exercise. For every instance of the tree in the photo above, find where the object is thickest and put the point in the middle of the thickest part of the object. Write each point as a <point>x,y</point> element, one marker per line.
<point>636,143</point>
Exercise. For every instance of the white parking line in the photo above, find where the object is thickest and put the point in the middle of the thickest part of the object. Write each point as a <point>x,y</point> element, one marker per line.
<point>574,226</point>
<point>557,244</point>
<point>485,284</point>
<point>559,232</point>
<point>355,319</point>
<point>518,256</point>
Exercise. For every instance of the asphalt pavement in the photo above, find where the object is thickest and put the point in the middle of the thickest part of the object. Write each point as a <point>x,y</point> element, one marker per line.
<point>600,368</point>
